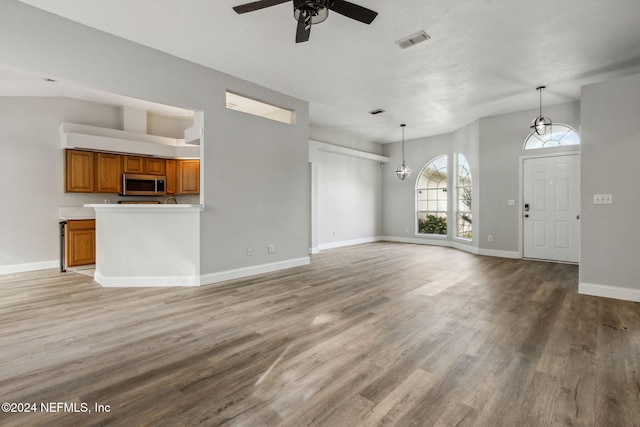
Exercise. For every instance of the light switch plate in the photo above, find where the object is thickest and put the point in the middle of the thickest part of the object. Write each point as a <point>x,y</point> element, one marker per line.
<point>602,199</point>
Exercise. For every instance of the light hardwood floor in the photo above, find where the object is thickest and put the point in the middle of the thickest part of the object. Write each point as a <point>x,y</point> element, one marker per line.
<point>376,334</point>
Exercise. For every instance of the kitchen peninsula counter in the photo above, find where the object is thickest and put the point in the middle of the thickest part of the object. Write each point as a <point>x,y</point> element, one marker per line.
<point>147,245</point>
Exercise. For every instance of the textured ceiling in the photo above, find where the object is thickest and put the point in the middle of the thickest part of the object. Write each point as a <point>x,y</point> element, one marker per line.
<point>484,58</point>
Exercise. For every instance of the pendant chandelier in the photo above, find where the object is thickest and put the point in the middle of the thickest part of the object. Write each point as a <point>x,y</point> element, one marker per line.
<point>402,171</point>
<point>541,124</point>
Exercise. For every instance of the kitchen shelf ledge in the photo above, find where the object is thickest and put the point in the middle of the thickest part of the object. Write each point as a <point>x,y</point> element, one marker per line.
<point>78,136</point>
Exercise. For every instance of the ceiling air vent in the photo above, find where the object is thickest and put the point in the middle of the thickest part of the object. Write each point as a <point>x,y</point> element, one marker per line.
<point>413,40</point>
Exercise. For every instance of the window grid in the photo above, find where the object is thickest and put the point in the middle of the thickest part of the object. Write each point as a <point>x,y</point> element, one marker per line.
<point>463,191</point>
<point>433,197</point>
<point>560,135</point>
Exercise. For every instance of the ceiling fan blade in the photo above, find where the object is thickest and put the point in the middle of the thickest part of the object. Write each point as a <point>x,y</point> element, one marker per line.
<point>257,5</point>
<point>354,11</point>
<point>304,29</point>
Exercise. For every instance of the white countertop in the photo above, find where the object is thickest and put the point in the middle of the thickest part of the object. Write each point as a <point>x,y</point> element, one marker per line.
<point>151,208</point>
<point>66,213</point>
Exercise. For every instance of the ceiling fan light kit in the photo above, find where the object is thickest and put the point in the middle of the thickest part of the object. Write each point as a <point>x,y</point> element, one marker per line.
<point>316,12</point>
<point>541,125</point>
<point>311,12</point>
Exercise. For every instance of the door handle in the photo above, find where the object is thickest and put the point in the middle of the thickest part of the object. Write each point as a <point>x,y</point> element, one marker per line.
<point>577,216</point>
<point>526,215</point>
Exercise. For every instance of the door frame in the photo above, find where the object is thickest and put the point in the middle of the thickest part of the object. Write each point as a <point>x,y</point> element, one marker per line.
<point>521,191</point>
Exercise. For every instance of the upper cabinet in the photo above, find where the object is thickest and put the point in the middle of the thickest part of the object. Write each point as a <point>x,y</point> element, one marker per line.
<point>188,176</point>
<point>144,165</point>
<point>98,172</point>
<point>154,166</point>
<point>172,176</point>
<point>108,173</point>
<point>183,176</point>
<point>79,172</point>
<point>133,164</point>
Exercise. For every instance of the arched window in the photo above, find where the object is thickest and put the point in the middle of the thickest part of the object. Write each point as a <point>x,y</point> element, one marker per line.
<point>463,192</point>
<point>560,135</point>
<point>432,197</point>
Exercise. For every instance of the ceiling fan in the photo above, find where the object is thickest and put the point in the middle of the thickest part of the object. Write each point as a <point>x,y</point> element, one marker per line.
<point>309,12</point>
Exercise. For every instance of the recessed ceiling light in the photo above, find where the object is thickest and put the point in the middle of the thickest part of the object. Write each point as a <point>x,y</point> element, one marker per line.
<point>413,39</point>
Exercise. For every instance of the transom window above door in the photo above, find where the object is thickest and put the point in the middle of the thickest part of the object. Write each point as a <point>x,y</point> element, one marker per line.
<point>559,135</point>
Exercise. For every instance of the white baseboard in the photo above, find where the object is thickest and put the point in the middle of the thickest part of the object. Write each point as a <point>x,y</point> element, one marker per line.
<point>499,254</point>
<point>464,247</point>
<point>333,245</point>
<point>32,266</point>
<point>416,241</point>
<point>205,279</point>
<point>606,291</point>
<point>145,281</point>
<point>453,244</point>
<point>239,273</point>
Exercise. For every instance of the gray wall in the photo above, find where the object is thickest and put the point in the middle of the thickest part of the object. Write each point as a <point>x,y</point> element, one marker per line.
<point>610,151</point>
<point>255,172</point>
<point>170,127</point>
<point>493,146</point>
<point>32,173</point>
<point>349,199</point>
<point>335,138</point>
<point>346,190</point>
<point>399,197</point>
<point>501,146</point>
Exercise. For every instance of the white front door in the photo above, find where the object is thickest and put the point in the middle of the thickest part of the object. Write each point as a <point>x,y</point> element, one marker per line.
<point>551,197</point>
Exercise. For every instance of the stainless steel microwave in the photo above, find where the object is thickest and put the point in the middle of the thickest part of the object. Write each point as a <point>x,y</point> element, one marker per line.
<point>143,185</point>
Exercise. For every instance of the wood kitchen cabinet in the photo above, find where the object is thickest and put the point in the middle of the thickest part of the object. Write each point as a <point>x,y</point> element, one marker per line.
<point>89,172</point>
<point>189,176</point>
<point>144,165</point>
<point>108,173</point>
<point>100,172</point>
<point>133,164</point>
<point>79,172</point>
<point>183,176</point>
<point>154,166</point>
<point>171,168</point>
<point>80,242</point>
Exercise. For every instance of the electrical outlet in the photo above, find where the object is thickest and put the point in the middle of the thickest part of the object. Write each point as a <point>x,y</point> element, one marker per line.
<point>406,229</point>
<point>250,252</point>
<point>490,238</point>
<point>271,249</point>
<point>334,232</point>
